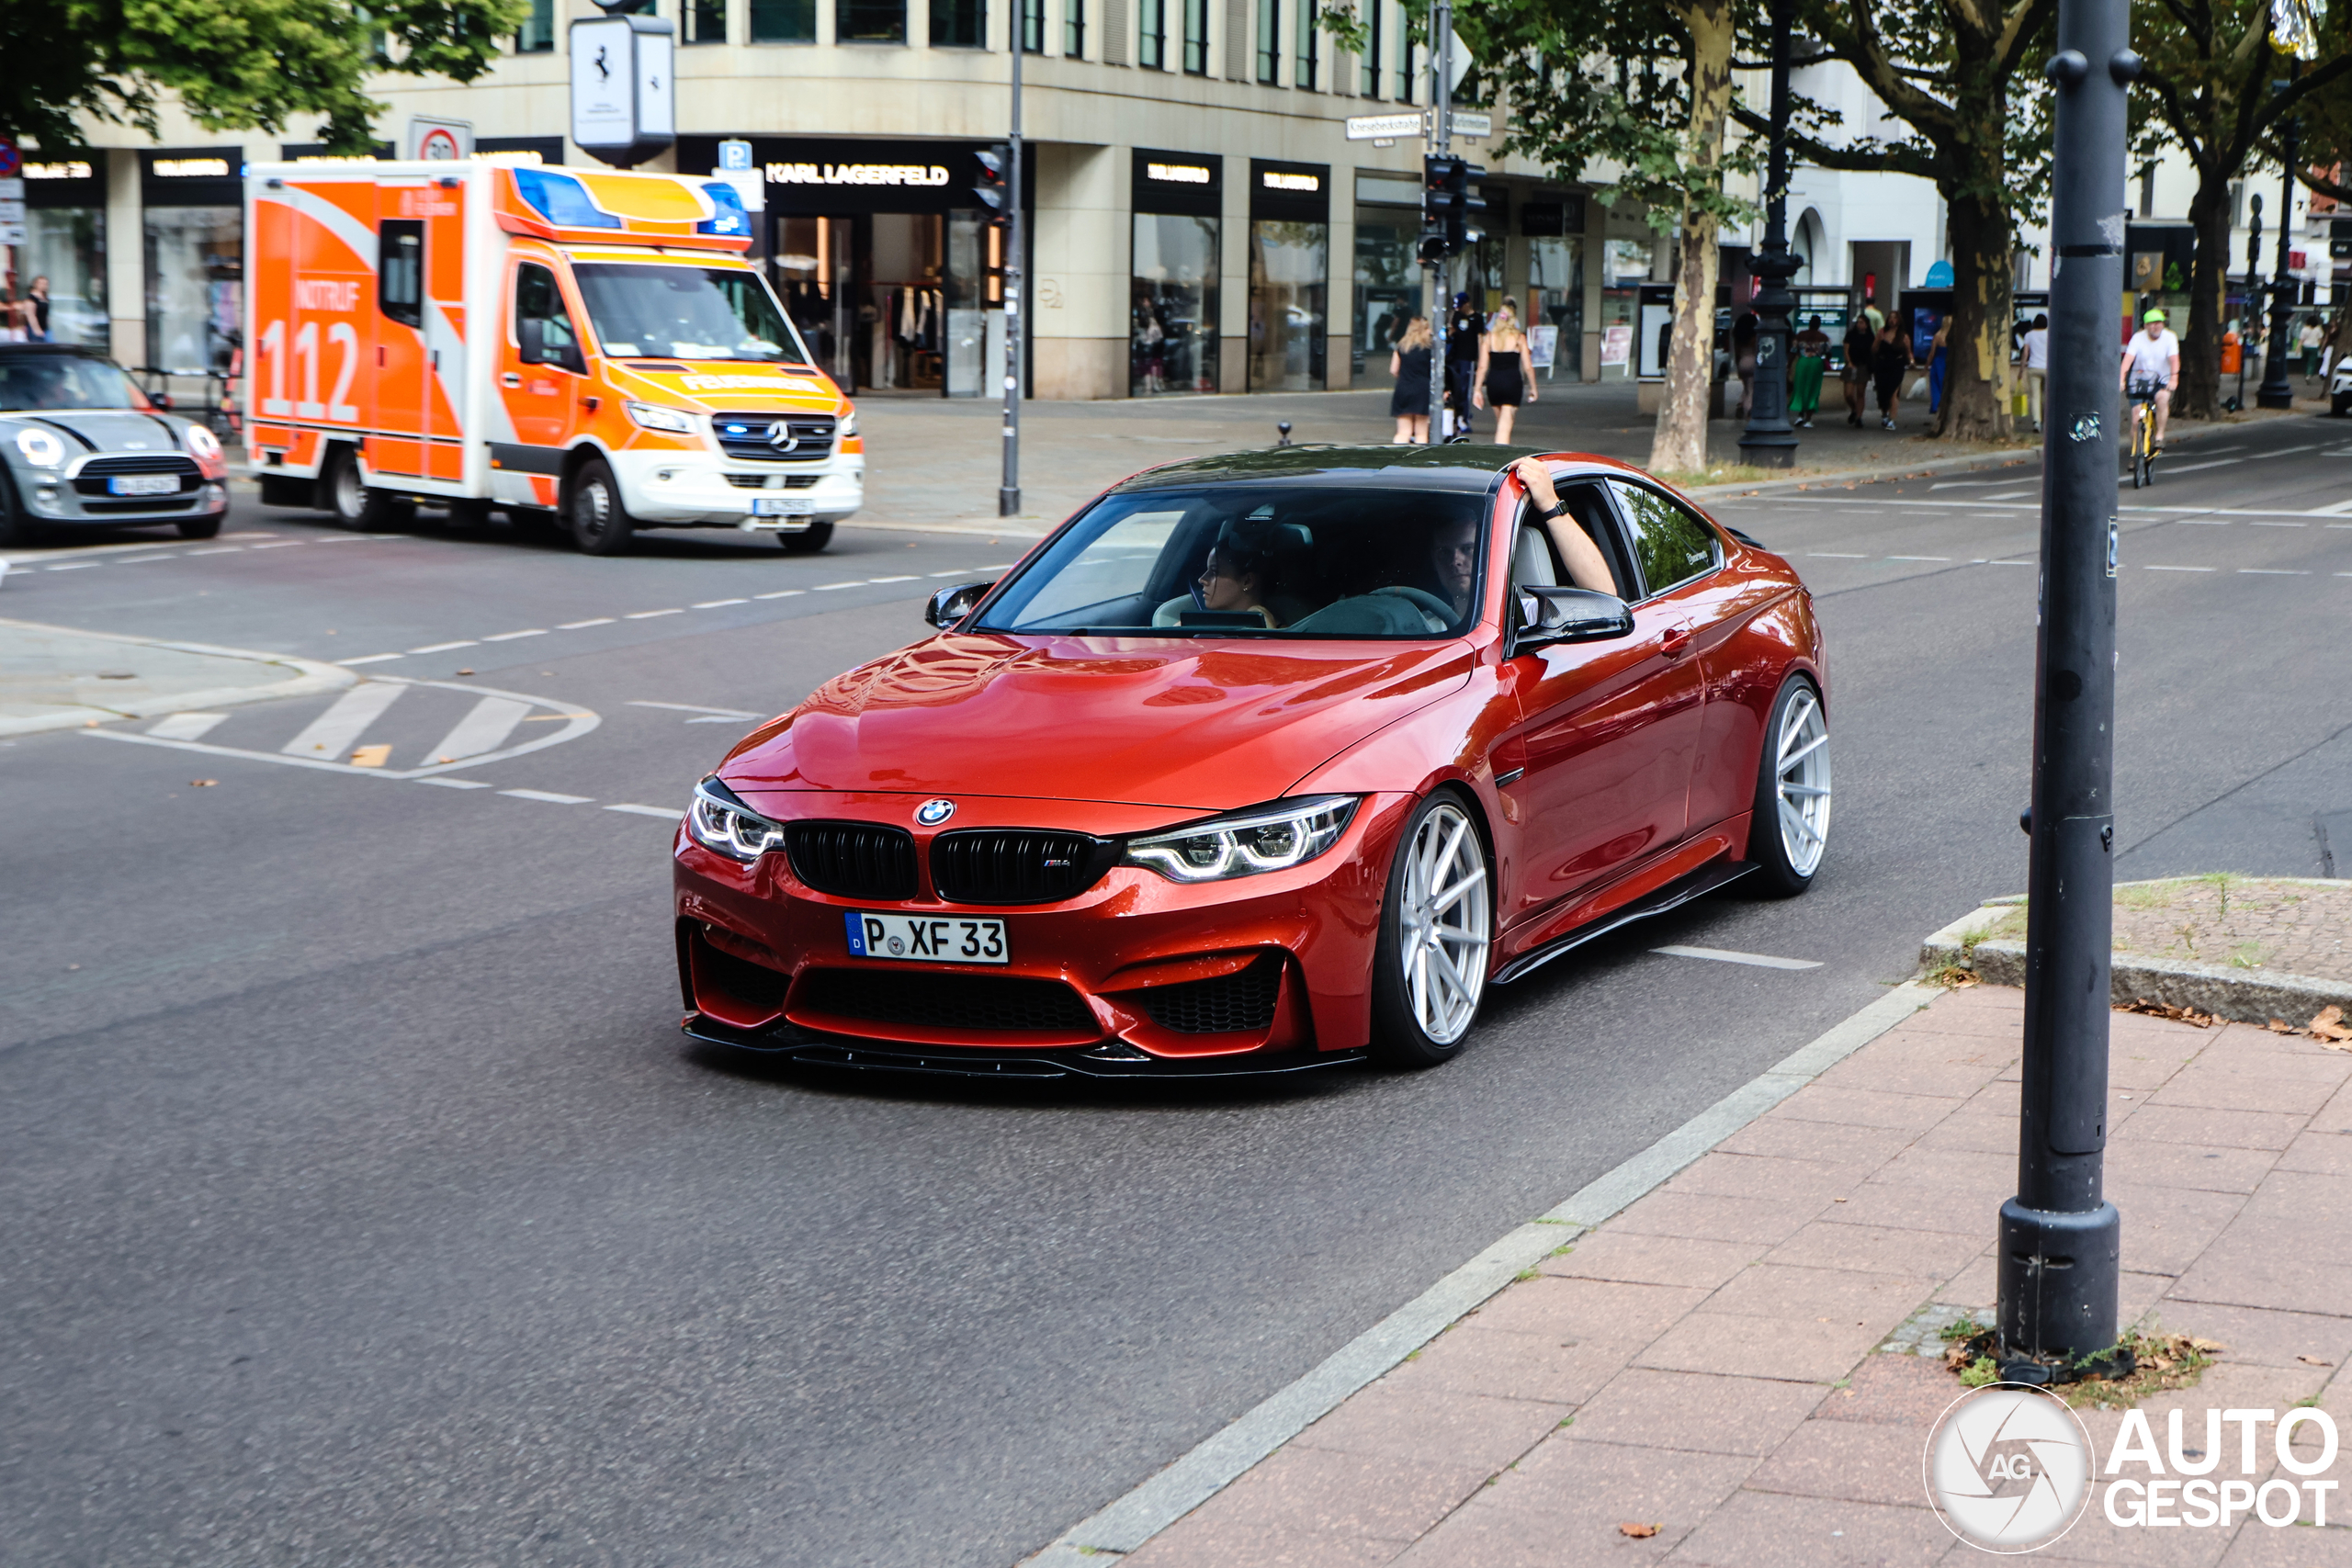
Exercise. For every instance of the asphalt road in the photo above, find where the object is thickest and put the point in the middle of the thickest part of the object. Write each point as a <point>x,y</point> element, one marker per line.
<point>364,1205</point>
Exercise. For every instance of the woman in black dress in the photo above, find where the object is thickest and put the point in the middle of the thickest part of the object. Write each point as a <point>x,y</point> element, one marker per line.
<point>1410,363</point>
<point>1506,370</point>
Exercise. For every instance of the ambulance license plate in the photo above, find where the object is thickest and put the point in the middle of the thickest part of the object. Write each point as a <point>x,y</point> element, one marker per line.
<point>922,940</point>
<point>783,505</point>
<point>143,484</point>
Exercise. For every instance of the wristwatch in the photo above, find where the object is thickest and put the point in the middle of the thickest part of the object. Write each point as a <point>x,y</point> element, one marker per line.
<point>1554,510</point>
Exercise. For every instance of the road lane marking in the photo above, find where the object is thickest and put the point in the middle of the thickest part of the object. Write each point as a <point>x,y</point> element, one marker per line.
<point>2263,523</point>
<point>2180,568</point>
<point>371,659</point>
<point>280,544</point>
<point>780,594</point>
<point>668,813</point>
<point>577,626</point>
<point>548,796</point>
<point>74,565</point>
<point>719,604</point>
<point>1724,955</point>
<point>829,587</point>
<point>485,727</point>
<point>649,615</point>
<point>909,578</point>
<point>2268,571</point>
<point>457,783</point>
<point>142,560</point>
<point>1920,557</point>
<point>510,636</point>
<point>691,708</point>
<point>2009,563</point>
<point>218,550</point>
<point>1835,555</point>
<point>2334,509</point>
<point>335,732</point>
<point>445,646</point>
<point>186,726</point>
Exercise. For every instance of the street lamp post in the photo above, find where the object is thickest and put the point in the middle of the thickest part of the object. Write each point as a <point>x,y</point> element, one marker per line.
<point>2278,392</point>
<point>1008,495</point>
<point>2253,298</point>
<point>2060,1239</point>
<point>1769,442</point>
<point>1440,142</point>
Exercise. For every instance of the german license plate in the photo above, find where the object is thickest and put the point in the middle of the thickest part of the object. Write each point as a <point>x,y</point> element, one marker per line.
<point>783,505</point>
<point>143,484</point>
<point>922,940</point>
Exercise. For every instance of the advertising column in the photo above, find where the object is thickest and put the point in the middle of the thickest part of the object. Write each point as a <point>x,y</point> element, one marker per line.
<point>1171,291</point>
<point>1290,231</point>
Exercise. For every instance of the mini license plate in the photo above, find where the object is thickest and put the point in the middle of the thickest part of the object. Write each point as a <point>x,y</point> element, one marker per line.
<point>143,484</point>
<point>783,505</point>
<point>907,937</point>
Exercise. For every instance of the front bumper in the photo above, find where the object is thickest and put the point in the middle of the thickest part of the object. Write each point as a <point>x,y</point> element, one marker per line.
<point>700,489</point>
<point>50,497</point>
<point>1137,975</point>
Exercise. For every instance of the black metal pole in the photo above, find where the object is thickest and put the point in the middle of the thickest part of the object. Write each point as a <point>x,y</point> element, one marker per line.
<point>2253,315</point>
<point>1008,495</point>
<point>1769,442</point>
<point>1440,142</point>
<point>2278,392</point>
<point>2060,1239</point>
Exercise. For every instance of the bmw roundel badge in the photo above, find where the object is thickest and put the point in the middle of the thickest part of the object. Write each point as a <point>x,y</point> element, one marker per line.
<point>931,813</point>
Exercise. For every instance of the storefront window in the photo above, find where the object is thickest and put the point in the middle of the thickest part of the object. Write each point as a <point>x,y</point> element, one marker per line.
<point>706,21</point>
<point>68,246</point>
<point>870,22</point>
<point>536,35</point>
<point>1555,303</point>
<point>784,21</point>
<point>1289,273</point>
<point>959,24</point>
<point>1172,342</point>
<point>195,288</point>
<point>1388,286</point>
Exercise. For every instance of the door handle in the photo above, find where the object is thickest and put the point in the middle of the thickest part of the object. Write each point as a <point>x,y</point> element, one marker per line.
<point>511,378</point>
<point>1675,643</point>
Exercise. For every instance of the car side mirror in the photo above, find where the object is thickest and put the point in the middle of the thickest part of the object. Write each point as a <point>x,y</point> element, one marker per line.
<point>1552,615</point>
<point>163,400</point>
<point>950,605</point>
<point>531,340</point>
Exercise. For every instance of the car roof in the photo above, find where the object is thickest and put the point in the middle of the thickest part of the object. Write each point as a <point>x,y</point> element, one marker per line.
<point>1461,467</point>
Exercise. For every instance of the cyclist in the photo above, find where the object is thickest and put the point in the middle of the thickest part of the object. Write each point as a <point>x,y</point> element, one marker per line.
<point>2151,360</point>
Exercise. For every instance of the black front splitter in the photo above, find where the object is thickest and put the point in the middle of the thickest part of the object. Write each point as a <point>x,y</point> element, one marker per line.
<point>1110,1059</point>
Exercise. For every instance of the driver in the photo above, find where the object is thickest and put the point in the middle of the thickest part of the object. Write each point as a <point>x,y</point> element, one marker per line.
<point>1454,555</point>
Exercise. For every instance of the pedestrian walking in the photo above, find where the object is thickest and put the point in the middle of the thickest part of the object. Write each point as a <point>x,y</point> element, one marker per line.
<point>1861,345</point>
<point>1463,331</point>
<point>1805,374</point>
<point>1890,362</point>
<point>2314,334</point>
<point>1410,363</point>
<point>1506,370</point>
<point>1743,357</point>
<point>1935,358</point>
<point>2034,353</point>
<point>12,316</point>
<point>37,311</point>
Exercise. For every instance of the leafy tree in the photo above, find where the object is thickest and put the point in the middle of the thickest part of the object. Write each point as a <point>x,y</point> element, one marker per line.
<point>2217,88</point>
<point>1948,71</point>
<point>231,63</point>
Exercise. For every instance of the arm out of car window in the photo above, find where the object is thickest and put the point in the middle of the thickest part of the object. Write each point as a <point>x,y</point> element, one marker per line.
<point>1588,567</point>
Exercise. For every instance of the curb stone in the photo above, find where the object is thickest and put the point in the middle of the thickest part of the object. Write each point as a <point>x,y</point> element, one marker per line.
<point>2238,995</point>
<point>1125,1524</point>
<point>306,677</point>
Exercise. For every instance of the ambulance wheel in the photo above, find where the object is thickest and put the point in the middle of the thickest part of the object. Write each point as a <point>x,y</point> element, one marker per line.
<point>808,541</point>
<point>354,505</point>
<point>600,524</point>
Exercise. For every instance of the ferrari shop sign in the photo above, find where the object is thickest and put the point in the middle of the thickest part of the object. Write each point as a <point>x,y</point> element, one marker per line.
<point>624,104</point>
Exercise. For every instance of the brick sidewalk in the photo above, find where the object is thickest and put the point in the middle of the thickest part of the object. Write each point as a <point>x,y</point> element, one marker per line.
<point>1729,1359</point>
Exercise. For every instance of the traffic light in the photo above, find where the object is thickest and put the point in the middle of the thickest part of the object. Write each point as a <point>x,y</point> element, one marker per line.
<point>996,167</point>
<point>1450,214</point>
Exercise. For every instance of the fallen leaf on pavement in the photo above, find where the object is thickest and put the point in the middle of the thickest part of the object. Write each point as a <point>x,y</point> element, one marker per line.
<point>202,784</point>
<point>2329,1024</point>
<point>2280,1026</point>
<point>1638,1531</point>
<point>2315,1361</point>
<point>2167,1009</point>
<point>465,671</point>
<point>371,756</point>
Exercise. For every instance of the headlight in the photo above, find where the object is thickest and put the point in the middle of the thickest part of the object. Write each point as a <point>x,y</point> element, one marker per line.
<point>720,822</point>
<point>653,416</point>
<point>1264,838</point>
<point>41,449</point>
<point>848,426</point>
<point>202,445</point>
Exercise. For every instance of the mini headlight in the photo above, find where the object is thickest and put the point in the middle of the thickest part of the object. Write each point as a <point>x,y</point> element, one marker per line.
<point>202,445</point>
<point>653,416</point>
<point>724,825</point>
<point>1245,843</point>
<point>40,448</point>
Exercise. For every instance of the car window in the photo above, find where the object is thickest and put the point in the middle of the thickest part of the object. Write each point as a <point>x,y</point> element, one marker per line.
<point>1590,508</point>
<point>60,381</point>
<point>1671,545</point>
<point>1287,559</point>
<point>537,299</point>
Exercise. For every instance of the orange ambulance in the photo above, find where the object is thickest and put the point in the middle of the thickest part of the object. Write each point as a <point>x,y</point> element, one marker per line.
<point>581,349</point>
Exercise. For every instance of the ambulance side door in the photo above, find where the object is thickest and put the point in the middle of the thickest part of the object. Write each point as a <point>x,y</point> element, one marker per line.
<point>543,368</point>
<point>398,444</point>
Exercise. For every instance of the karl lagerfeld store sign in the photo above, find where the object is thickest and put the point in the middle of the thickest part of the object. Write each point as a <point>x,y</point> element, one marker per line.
<point>836,176</point>
<point>857,173</point>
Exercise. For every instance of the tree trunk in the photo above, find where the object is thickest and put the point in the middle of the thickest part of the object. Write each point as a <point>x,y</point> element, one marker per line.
<point>1680,442</point>
<point>2199,396</point>
<point>1978,380</point>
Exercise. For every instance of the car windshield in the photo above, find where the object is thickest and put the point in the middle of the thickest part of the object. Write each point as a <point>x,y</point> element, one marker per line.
<point>51,382</point>
<point>686,312</point>
<point>1280,561</point>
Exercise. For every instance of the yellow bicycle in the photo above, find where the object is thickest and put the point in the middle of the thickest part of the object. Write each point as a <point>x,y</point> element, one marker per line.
<point>2142,394</point>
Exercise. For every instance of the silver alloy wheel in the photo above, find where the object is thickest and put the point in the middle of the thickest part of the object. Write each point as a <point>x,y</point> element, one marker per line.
<point>1801,778</point>
<point>1443,923</point>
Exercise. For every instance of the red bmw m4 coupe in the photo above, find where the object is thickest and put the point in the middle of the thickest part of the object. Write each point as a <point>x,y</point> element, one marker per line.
<point>1259,762</point>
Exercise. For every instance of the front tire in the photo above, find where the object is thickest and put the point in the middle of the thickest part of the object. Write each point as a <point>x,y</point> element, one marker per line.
<point>1790,831</point>
<point>808,541</point>
<point>201,527</point>
<point>601,526</point>
<point>1429,967</point>
<point>356,506</point>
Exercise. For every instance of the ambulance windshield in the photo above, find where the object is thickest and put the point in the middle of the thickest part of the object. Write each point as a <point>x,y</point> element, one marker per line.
<point>686,312</point>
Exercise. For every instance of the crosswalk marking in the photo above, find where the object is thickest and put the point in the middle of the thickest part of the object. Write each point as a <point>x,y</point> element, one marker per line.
<point>186,726</point>
<point>484,728</point>
<point>335,731</point>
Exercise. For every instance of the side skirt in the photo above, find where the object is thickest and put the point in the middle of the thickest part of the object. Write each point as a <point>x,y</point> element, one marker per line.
<point>1706,879</point>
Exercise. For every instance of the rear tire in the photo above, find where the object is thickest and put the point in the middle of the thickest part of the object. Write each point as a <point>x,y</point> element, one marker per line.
<point>1788,833</point>
<point>807,542</point>
<point>601,526</point>
<point>1428,967</point>
<point>201,527</point>
<point>14,528</point>
<point>356,506</point>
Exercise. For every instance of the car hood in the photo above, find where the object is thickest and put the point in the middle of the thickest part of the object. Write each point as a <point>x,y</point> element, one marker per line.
<point>105,430</point>
<point>737,386</point>
<point>1204,726</point>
